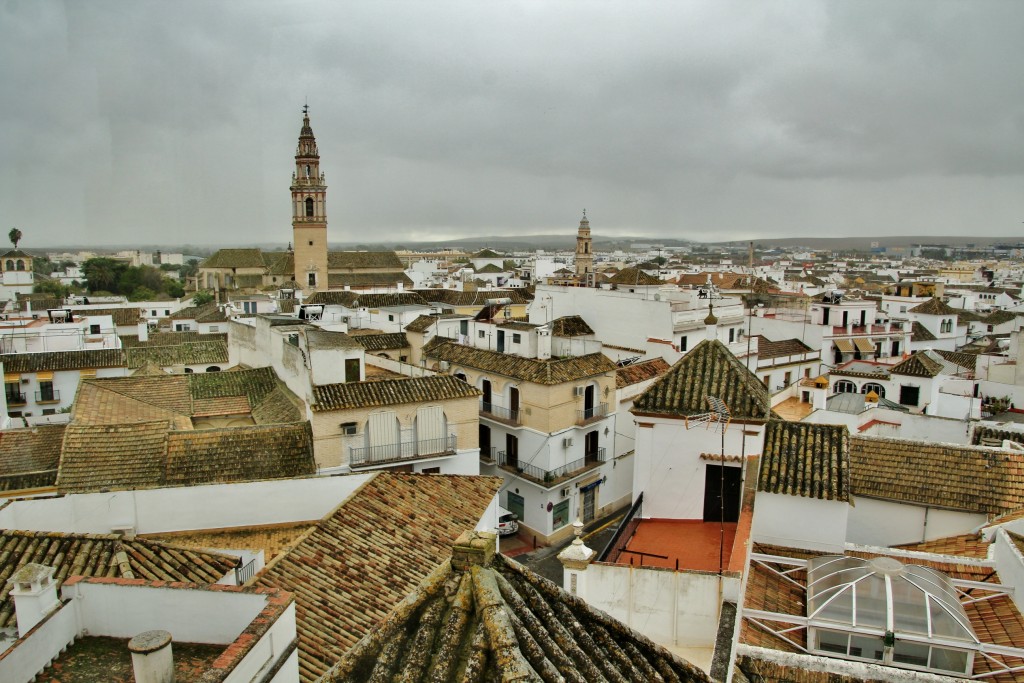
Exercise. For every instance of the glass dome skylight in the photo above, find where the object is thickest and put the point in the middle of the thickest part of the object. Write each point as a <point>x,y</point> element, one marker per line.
<point>885,611</point>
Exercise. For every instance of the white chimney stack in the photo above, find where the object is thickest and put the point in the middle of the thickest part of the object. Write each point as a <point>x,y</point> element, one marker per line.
<point>575,559</point>
<point>143,330</point>
<point>152,659</point>
<point>35,595</point>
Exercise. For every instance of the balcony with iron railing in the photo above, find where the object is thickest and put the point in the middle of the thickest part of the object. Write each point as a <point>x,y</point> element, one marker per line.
<point>487,455</point>
<point>554,477</point>
<point>16,398</point>
<point>499,413</point>
<point>48,396</point>
<point>588,415</point>
<point>403,450</point>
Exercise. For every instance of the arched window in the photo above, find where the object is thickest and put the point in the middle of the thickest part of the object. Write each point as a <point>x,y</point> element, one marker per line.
<point>213,368</point>
<point>875,387</point>
<point>10,264</point>
<point>845,386</point>
<point>21,265</point>
<point>307,170</point>
<point>309,206</point>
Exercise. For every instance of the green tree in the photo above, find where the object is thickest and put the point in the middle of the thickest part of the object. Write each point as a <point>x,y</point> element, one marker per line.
<point>201,298</point>
<point>173,288</point>
<point>142,294</point>
<point>190,268</point>
<point>102,274</point>
<point>52,287</point>
<point>15,236</point>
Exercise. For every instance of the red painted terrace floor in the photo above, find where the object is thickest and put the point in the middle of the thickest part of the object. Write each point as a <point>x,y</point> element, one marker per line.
<point>682,543</point>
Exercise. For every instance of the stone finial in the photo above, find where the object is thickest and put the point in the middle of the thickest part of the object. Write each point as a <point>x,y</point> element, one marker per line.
<point>473,548</point>
<point>711,319</point>
<point>577,555</point>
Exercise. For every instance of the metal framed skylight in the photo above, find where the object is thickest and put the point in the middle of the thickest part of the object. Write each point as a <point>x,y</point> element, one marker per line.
<point>882,610</point>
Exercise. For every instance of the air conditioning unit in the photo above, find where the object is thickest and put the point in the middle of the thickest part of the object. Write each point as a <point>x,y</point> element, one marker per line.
<point>579,391</point>
<point>567,442</point>
<point>565,492</point>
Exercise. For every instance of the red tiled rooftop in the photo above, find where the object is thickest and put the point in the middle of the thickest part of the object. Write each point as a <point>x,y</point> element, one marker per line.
<point>683,543</point>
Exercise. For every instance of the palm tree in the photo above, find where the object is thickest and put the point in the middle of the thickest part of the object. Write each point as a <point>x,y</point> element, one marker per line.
<point>15,236</point>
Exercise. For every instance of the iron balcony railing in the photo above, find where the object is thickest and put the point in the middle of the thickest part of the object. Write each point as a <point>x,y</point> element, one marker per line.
<point>15,398</point>
<point>588,414</point>
<point>597,455</point>
<point>487,455</point>
<point>550,477</point>
<point>364,456</point>
<point>51,395</point>
<point>627,527</point>
<point>499,412</point>
<point>243,574</point>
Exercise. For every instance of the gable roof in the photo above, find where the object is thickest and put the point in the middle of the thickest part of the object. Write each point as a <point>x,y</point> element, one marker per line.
<point>382,342</point>
<point>918,365</point>
<point>190,353</point>
<point>640,372</point>
<point>634,276</point>
<point>369,279</point>
<point>490,268</point>
<point>423,323</point>
<point>390,392</point>
<point>934,306</point>
<point>808,460</point>
<point>38,361</point>
<point>971,478</point>
<point>919,332</point>
<point>480,297</point>
<point>389,299</point>
<point>570,326</point>
<point>766,348</point>
<point>388,260</point>
<point>103,555</point>
<point>709,369</point>
<point>29,457</point>
<point>496,620</point>
<point>351,569</point>
<point>553,371</point>
<point>235,258</point>
<point>486,253</point>
<point>122,316</point>
<point>332,298</point>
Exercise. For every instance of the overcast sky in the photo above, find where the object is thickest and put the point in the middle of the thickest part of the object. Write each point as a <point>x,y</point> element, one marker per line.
<point>171,122</point>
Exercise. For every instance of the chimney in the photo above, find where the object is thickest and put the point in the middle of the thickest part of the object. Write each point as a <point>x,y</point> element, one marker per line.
<point>152,660</point>
<point>575,559</point>
<point>543,343</point>
<point>143,330</point>
<point>35,595</point>
<point>712,323</point>
<point>473,548</point>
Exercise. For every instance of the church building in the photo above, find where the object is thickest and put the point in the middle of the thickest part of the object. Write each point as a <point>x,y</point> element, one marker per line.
<point>308,265</point>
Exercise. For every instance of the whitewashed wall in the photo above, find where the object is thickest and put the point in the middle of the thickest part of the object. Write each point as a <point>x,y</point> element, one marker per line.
<point>885,523</point>
<point>798,522</point>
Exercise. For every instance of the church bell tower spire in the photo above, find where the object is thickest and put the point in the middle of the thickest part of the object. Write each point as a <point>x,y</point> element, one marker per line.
<point>309,211</point>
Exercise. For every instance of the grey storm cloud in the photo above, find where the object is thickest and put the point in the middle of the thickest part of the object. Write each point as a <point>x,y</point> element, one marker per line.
<point>172,122</point>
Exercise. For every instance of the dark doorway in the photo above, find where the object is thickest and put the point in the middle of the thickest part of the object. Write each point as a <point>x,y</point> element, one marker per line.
<point>590,446</point>
<point>485,443</point>
<point>352,370</point>
<point>722,493</point>
<point>485,387</point>
<point>588,402</point>
<point>513,404</point>
<point>501,341</point>
<point>588,494</point>
<point>511,451</point>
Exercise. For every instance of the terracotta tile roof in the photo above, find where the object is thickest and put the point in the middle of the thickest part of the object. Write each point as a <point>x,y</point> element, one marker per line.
<point>279,263</point>
<point>486,253</point>
<point>918,365</point>
<point>554,371</point>
<point>125,456</point>
<point>358,562</point>
<point>123,316</point>
<point>499,621</point>
<point>490,268</point>
<point>235,258</point>
<point>211,456</point>
<point>62,360</point>
<point>342,298</point>
<point>570,326</point>
<point>172,338</point>
<point>280,406</point>
<point>968,361</point>
<point>919,332</point>
<point>104,555</point>
<point>709,369</point>
<point>389,299</point>
<point>991,436</point>
<point>942,475</point>
<point>222,405</point>
<point>190,353</point>
<point>209,312</point>
<point>517,325</point>
<point>125,400</point>
<point>424,322</point>
<point>363,260</point>
<point>478,298</point>
<point>382,342</point>
<point>767,348</point>
<point>29,457</point>
<point>381,279</point>
<point>964,545</point>
<point>808,460</point>
<point>999,317</point>
<point>634,276</point>
<point>934,306</point>
<point>272,540</point>
<point>640,372</point>
<point>317,338</point>
<point>390,392</point>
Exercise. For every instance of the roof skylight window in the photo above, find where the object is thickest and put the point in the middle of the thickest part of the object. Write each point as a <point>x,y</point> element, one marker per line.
<point>885,611</point>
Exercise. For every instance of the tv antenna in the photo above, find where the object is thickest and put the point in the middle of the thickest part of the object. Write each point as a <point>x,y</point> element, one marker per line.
<point>718,415</point>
